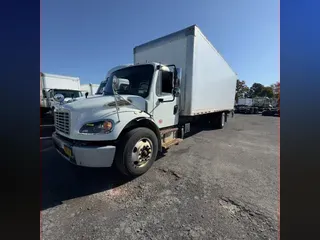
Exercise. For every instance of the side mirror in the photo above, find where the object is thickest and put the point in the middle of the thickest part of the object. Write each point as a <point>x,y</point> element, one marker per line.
<point>115,83</point>
<point>86,94</point>
<point>123,82</point>
<point>118,82</point>
<point>59,98</point>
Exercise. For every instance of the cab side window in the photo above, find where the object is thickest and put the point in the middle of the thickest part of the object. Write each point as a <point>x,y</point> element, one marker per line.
<point>164,84</point>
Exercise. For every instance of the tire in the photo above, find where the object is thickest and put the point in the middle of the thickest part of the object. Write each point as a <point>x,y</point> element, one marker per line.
<point>135,144</point>
<point>221,120</point>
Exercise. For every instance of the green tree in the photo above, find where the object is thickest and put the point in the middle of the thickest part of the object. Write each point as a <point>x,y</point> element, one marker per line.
<point>256,90</point>
<point>267,92</point>
<point>241,89</point>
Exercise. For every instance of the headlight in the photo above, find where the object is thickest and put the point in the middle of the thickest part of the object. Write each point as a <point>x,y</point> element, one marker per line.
<point>97,127</point>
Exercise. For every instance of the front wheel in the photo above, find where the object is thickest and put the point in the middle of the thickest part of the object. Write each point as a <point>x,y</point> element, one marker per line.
<point>137,152</point>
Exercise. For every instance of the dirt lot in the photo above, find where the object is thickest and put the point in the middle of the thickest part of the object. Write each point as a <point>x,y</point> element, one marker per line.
<point>220,184</point>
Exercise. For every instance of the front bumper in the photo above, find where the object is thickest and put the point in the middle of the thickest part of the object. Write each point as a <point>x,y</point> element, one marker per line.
<point>86,156</point>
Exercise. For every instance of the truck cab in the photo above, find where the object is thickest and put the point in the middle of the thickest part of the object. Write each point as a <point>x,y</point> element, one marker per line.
<point>123,125</point>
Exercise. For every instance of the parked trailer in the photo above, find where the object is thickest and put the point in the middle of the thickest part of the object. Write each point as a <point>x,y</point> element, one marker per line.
<point>254,105</point>
<point>262,103</point>
<point>149,106</point>
<point>245,101</point>
<point>246,106</point>
<point>246,109</point>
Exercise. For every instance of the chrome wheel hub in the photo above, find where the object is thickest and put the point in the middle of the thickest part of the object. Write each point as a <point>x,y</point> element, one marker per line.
<point>141,152</point>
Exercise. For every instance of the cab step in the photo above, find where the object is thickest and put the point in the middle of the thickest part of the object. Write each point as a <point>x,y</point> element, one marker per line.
<point>168,130</point>
<point>174,141</point>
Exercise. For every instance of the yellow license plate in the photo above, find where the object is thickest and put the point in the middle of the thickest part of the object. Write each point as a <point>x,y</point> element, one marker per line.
<point>67,151</point>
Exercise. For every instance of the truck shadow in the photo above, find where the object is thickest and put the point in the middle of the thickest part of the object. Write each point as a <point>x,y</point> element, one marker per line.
<point>62,181</point>
<point>194,130</point>
<point>203,126</point>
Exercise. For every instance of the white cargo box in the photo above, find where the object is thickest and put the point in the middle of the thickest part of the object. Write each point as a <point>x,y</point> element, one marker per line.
<point>208,82</point>
<point>53,81</point>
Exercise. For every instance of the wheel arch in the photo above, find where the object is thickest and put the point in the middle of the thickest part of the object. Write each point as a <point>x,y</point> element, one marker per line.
<point>141,122</point>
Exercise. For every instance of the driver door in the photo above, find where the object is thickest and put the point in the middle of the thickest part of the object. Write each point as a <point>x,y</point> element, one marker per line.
<point>166,106</point>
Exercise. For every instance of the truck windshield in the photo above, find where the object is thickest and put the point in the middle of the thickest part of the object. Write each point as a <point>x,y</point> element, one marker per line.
<point>101,87</point>
<point>68,93</point>
<point>139,77</point>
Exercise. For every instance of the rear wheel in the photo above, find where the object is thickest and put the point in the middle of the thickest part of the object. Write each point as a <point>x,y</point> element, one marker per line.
<point>221,120</point>
<point>137,152</point>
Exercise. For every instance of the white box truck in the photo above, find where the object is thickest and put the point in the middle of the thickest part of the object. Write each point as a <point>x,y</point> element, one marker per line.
<point>145,108</point>
<point>52,84</point>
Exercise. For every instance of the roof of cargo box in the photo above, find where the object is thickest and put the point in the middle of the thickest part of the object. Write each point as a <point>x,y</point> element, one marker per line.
<point>184,32</point>
<point>57,76</point>
<point>191,30</point>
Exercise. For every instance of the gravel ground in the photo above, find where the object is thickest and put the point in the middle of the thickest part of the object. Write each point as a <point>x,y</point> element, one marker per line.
<point>218,184</point>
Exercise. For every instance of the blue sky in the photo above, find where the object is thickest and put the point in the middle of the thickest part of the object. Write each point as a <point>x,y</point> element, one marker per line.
<point>86,38</point>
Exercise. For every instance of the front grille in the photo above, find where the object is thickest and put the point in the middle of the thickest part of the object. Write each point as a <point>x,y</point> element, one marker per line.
<point>62,122</point>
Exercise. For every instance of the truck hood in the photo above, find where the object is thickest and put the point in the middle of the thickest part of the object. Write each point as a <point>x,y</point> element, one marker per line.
<point>99,102</point>
<point>67,100</point>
